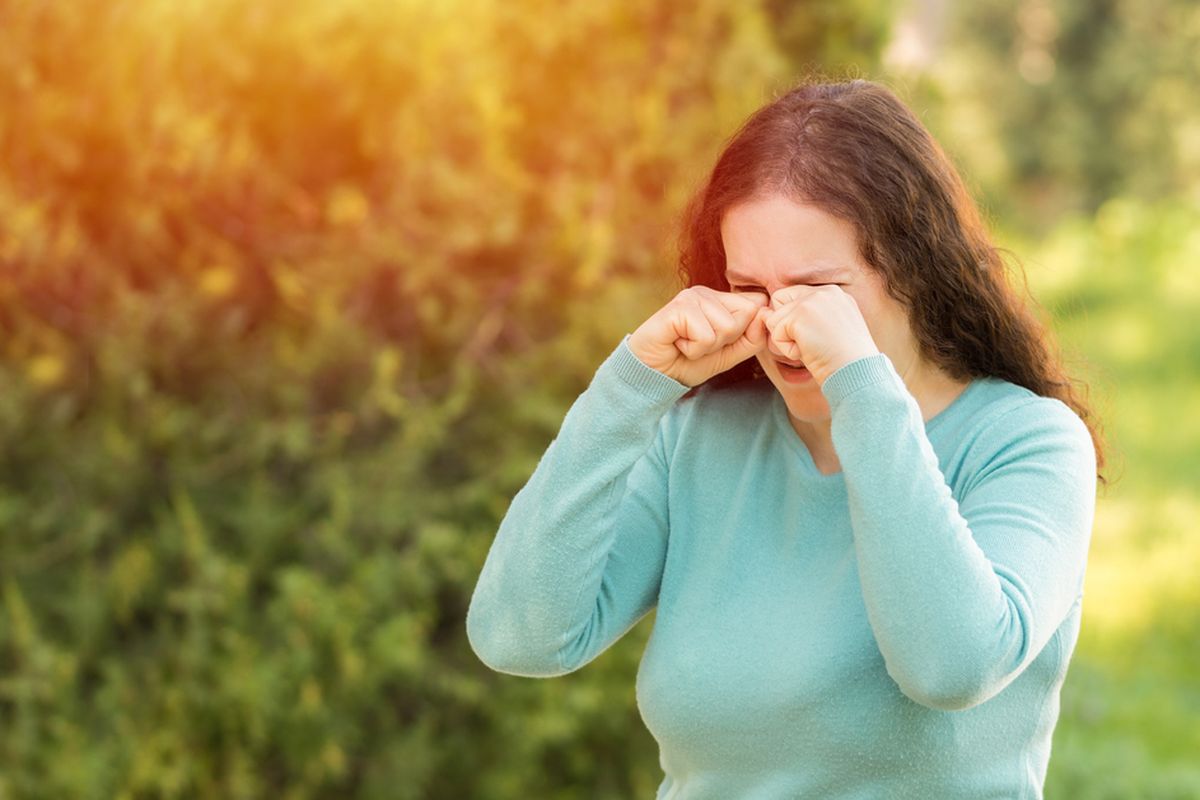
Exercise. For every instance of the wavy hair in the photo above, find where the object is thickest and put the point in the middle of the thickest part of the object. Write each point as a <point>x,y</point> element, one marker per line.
<point>855,150</point>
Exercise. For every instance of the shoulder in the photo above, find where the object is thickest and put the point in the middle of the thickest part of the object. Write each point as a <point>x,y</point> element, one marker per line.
<point>1007,410</point>
<point>1012,424</point>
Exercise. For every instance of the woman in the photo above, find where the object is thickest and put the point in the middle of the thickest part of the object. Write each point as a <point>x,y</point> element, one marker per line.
<point>845,467</point>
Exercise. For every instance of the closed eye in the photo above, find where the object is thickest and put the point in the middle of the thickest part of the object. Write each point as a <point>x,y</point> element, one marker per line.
<point>761,289</point>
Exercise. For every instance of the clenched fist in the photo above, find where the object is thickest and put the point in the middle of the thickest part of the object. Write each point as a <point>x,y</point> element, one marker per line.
<point>701,332</point>
<point>819,325</point>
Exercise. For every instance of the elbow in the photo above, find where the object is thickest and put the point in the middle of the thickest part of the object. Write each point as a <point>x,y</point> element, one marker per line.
<point>501,647</point>
<point>943,698</point>
<point>961,673</point>
<point>950,691</point>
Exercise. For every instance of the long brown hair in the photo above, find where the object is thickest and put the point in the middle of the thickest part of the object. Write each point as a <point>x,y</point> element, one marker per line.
<point>854,149</point>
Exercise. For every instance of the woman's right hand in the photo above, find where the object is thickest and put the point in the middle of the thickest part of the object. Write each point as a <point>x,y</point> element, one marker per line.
<point>701,332</point>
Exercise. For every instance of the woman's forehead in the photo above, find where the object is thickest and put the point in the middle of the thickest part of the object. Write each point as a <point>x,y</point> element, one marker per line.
<point>800,242</point>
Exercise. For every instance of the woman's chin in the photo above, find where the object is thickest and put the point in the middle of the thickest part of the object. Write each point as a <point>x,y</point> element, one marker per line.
<point>797,385</point>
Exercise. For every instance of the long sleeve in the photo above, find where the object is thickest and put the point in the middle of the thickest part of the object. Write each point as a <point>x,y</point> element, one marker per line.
<point>961,597</point>
<point>579,554</point>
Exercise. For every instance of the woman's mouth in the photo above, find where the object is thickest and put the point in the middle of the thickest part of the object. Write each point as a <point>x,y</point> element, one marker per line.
<point>794,374</point>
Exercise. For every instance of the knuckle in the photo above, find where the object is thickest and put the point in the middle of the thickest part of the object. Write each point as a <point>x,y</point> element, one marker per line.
<point>723,333</point>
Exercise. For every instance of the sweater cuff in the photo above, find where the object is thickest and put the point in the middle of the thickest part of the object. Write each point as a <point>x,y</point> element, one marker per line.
<point>640,376</point>
<point>860,373</point>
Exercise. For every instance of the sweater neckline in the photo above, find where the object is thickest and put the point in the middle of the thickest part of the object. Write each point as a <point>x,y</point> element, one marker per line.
<point>788,433</point>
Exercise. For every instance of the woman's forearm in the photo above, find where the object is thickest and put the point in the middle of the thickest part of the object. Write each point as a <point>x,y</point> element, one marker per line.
<point>534,608</point>
<point>961,596</point>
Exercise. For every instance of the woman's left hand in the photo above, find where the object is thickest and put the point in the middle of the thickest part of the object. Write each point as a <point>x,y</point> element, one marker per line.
<point>819,325</point>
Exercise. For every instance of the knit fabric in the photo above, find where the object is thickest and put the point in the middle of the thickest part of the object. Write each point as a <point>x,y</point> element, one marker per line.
<point>898,629</point>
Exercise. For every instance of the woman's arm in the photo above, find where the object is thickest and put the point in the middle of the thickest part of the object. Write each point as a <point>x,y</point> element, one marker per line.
<point>579,554</point>
<point>963,596</point>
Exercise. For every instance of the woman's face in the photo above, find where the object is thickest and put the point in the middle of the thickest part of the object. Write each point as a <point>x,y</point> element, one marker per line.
<point>774,242</point>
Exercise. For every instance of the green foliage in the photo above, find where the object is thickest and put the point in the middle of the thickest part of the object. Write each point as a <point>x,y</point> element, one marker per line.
<point>293,297</point>
<point>1060,105</point>
<point>1124,297</point>
<point>840,39</point>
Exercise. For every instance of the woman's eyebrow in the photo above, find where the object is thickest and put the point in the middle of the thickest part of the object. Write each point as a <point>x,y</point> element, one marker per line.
<point>818,275</point>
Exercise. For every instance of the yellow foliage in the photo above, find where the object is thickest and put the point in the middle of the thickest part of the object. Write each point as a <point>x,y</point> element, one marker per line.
<point>347,206</point>
<point>351,665</point>
<point>46,370</point>
<point>311,696</point>
<point>334,759</point>
<point>291,285</point>
<point>20,622</point>
<point>218,281</point>
<point>131,574</point>
<point>385,392</point>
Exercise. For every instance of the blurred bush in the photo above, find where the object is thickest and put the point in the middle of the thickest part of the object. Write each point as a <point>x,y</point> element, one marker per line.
<point>1059,106</point>
<point>293,297</point>
<point>1122,287</point>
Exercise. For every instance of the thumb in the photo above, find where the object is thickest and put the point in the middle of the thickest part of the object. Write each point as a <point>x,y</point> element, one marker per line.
<point>752,339</point>
<point>756,331</point>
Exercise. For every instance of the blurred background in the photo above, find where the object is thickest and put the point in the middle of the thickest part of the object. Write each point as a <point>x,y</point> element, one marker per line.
<point>293,296</point>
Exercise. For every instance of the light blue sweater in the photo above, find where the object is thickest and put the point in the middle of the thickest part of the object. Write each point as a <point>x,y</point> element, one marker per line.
<point>899,629</point>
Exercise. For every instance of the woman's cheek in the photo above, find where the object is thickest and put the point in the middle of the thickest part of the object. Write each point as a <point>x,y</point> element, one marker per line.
<point>889,332</point>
